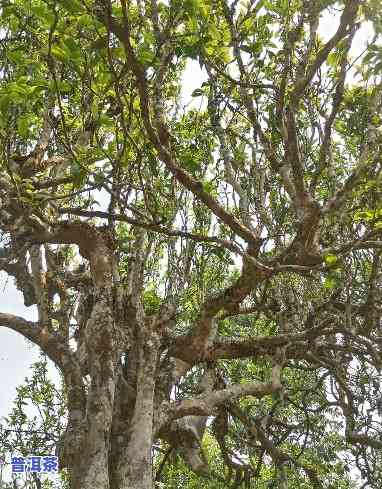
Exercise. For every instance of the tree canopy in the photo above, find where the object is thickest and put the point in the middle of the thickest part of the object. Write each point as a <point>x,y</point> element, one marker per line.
<point>206,267</point>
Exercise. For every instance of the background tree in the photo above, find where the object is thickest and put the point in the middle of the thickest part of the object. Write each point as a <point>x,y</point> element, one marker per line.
<point>214,265</point>
<point>33,426</point>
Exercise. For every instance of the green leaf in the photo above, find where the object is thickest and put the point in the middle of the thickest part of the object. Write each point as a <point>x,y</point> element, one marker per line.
<point>24,124</point>
<point>16,56</point>
<point>330,259</point>
<point>62,85</point>
<point>145,55</point>
<point>197,93</point>
<point>78,173</point>
<point>72,6</point>
<point>330,283</point>
<point>72,48</point>
<point>5,101</point>
<point>45,16</point>
<point>85,20</point>
<point>60,53</point>
<point>332,59</point>
<point>151,302</point>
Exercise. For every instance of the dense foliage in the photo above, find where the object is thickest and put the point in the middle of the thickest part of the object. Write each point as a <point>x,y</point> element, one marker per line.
<point>206,266</point>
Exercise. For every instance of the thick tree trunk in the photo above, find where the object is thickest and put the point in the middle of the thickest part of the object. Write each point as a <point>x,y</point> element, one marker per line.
<point>139,452</point>
<point>133,469</point>
<point>90,468</point>
<point>115,445</point>
<point>92,471</point>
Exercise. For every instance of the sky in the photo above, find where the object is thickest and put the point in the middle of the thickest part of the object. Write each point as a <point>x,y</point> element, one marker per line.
<point>16,354</point>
